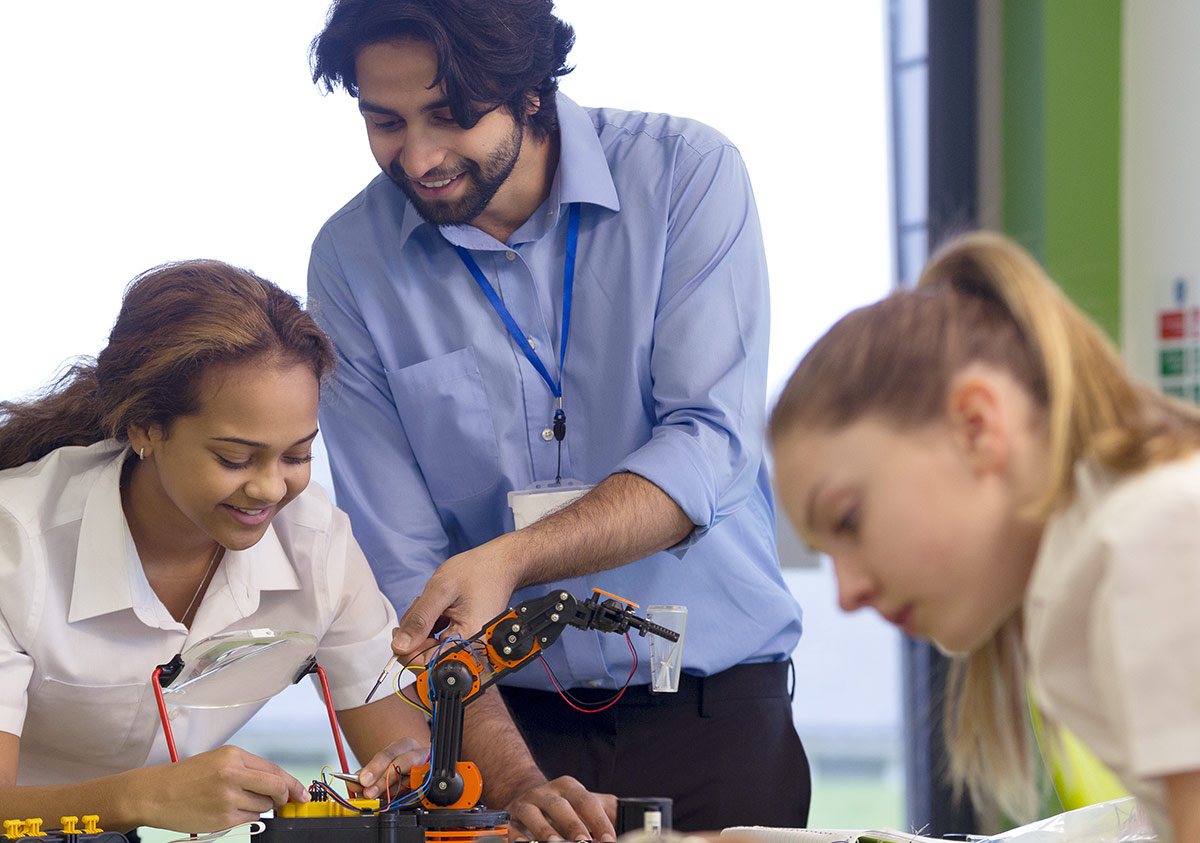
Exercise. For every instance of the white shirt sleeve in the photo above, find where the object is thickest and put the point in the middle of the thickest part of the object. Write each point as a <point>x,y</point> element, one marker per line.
<point>1147,625</point>
<point>16,667</point>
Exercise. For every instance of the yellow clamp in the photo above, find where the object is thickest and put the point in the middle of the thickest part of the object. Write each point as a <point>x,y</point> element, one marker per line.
<point>13,829</point>
<point>33,827</point>
<point>68,824</point>
<point>89,824</point>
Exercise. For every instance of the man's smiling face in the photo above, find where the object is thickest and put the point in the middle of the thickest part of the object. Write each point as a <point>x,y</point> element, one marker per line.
<point>450,174</point>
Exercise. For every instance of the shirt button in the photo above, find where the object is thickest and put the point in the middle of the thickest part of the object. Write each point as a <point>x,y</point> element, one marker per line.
<point>172,713</point>
<point>511,255</point>
<point>547,434</point>
<point>593,683</point>
<point>532,342</point>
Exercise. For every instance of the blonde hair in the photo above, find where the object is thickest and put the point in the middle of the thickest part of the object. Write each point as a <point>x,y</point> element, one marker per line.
<point>982,298</point>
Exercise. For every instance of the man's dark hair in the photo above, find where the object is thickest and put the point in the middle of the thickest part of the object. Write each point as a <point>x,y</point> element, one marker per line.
<point>490,53</point>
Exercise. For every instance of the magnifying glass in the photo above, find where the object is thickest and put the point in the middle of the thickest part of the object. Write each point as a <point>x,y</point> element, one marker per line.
<point>237,668</point>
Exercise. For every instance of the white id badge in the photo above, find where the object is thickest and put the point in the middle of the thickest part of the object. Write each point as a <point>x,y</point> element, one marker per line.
<point>541,499</point>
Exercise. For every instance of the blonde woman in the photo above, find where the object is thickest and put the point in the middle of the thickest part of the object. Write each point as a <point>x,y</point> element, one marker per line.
<point>987,475</point>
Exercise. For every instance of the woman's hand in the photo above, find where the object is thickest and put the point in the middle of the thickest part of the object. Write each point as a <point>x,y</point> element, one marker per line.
<point>379,776</point>
<point>215,790</point>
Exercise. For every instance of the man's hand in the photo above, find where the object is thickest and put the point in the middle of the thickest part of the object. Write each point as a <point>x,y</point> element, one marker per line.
<point>379,777</point>
<point>625,518</point>
<point>564,809</point>
<point>464,593</point>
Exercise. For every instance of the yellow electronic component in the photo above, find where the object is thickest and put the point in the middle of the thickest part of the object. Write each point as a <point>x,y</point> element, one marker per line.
<point>327,808</point>
<point>12,829</point>
<point>90,824</point>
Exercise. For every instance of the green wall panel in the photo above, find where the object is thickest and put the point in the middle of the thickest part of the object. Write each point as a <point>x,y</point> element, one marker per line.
<point>1062,130</point>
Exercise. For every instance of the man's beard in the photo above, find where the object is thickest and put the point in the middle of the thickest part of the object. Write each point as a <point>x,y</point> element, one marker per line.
<point>482,184</point>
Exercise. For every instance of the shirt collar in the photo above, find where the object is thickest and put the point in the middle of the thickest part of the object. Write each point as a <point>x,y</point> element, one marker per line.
<point>106,552</point>
<point>1065,530</point>
<point>108,572</point>
<point>263,567</point>
<point>582,176</point>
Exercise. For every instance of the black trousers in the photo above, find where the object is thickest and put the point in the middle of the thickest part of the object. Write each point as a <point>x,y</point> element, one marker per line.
<point>723,748</point>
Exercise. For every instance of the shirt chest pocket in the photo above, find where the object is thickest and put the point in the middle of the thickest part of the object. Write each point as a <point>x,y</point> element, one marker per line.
<point>84,722</point>
<point>444,409</point>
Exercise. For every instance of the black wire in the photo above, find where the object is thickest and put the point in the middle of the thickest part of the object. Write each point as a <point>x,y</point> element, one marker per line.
<point>417,702</point>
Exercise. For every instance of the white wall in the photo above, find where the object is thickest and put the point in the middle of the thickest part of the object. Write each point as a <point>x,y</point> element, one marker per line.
<point>139,132</point>
<point>1160,173</point>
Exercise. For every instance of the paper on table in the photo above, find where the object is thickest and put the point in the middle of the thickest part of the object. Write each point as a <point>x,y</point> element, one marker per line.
<point>763,834</point>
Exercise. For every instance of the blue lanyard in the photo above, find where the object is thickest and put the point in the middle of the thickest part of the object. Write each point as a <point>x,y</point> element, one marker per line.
<point>560,427</point>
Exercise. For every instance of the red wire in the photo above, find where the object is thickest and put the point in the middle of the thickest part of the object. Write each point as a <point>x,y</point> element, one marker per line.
<point>566,697</point>
<point>162,713</point>
<point>337,734</point>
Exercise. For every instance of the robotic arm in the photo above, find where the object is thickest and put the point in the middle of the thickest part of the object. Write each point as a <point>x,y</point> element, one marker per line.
<point>462,669</point>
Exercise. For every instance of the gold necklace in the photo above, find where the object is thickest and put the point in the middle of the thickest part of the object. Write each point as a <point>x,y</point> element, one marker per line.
<point>211,562</point>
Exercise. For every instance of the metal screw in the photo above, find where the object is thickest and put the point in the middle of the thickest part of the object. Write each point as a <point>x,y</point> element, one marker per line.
<point>558,607</point>
<point>442,785</point>
<point>512,639</point>
<point>554,617</point>
<point>562,595</point>
<point>450,680</point>
<point>516,627</point>
<point>506,650</point>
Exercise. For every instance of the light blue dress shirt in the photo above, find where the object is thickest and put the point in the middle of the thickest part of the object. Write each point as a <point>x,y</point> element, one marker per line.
<point>436,415</point>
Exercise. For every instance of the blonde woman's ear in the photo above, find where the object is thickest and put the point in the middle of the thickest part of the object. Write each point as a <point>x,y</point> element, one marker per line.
<point>979,417</point>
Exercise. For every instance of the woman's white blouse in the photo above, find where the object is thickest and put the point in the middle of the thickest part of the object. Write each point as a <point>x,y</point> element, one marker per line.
<point>81,631</point>
<point>1112,624</point>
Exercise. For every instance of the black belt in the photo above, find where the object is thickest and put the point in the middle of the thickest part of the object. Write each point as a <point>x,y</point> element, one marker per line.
<point>760,680</point>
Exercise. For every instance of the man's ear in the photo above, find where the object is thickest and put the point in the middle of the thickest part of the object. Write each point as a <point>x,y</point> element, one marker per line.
<point>976,413</point>
<point>533,104</point>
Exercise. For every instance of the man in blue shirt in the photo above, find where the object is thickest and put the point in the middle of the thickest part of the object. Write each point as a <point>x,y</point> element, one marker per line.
<point>540,296</point>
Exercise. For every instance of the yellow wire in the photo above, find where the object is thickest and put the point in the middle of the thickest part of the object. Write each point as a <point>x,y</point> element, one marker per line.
<point>396,690</point>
